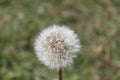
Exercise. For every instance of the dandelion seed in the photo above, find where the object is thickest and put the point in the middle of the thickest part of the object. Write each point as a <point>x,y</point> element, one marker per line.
<point>57,46</point>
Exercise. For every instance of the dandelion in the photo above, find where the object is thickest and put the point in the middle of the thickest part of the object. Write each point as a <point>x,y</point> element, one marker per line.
<point>56,47</point>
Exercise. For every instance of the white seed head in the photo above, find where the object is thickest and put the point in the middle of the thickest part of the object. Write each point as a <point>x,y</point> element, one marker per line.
<point>57,46</point>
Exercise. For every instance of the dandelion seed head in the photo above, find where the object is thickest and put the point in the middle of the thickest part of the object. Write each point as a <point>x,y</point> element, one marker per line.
<point>57,46</point>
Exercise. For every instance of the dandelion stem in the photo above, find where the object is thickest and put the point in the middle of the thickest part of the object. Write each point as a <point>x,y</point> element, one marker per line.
<point>60,74</point>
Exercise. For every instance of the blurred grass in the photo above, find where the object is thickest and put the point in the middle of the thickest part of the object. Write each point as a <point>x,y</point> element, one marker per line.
<point>97,22</point>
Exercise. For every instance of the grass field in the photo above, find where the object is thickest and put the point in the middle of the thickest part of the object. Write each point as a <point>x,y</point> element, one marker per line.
<point>97,23</point>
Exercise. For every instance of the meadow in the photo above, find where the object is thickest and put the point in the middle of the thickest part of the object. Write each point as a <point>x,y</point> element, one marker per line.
<point>97,23</point>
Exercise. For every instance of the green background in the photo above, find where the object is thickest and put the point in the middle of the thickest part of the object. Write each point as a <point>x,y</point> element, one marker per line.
<point>97,23</point>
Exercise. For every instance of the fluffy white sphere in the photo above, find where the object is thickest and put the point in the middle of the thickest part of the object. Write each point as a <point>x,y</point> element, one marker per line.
<point>57,46</point>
